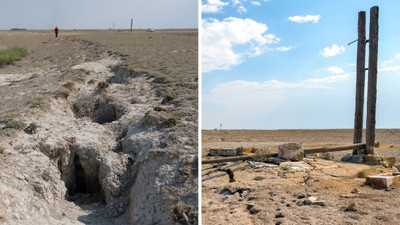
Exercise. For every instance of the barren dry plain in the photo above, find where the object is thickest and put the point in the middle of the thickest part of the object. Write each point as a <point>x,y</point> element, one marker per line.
<point>313,191</point>
<point>99,127</point>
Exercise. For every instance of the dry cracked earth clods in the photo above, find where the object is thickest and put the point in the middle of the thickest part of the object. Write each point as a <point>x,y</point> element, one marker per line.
<point>109,144</point>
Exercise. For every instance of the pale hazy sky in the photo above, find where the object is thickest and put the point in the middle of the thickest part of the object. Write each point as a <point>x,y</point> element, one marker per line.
<point>98,14</point>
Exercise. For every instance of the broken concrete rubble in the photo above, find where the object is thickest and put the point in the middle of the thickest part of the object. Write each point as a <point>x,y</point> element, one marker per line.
<point>292,151</point>
<point>386,162</point>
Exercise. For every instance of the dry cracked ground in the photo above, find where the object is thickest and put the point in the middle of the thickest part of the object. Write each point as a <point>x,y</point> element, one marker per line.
<point>99,127</point>
<point>313,191</point>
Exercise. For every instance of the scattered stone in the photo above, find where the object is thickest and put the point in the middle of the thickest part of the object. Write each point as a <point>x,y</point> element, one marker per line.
<point>386,162</point>
<point>252,210</point>
<point>292,151</point>
<point>380,181</point>
<point>261,165</point>
<point>301,196</point>
<point>278,223</point>
<point>279,215</point>
<point>288,205</point>
<point>355,191</point>
<point>321,203</point>
<point>312,199</point>
<point>278,160</point>
<point>295,166</point>
<point>351,208</point>
<point>357,158</point>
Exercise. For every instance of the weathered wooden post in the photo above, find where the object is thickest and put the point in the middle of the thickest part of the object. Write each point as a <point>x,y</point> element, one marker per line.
<point>360,83</point>
<point>372,79</point>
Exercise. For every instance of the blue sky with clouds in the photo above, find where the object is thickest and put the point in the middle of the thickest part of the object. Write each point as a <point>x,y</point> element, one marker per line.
<point>98,14</point>
<point>283,64</point>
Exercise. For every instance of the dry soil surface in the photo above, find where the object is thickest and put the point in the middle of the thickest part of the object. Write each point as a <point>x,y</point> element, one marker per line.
<point>313,191</point>
<point>114,121</point>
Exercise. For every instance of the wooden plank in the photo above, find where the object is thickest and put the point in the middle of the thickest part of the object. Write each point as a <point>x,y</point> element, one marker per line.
<point>360,83</point>
<point>306,151</point>
<point>235,158</point>
<point>372,79</point>
<point>334,149</point>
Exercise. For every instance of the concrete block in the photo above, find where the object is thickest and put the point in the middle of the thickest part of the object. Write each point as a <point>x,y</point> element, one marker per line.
<point>292,151</point>
<point>380,181</point>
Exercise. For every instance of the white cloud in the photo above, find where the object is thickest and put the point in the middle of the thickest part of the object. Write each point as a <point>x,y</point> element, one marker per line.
<point>241,89</point>
<point>385,63</point>
<point>333,51</point>
<point>213,6</point>
<point>284,48</point>
<point>255,3</point>
<point>248,104</point>
<point>305,19</point>
<point>335,69</point>
<point>219,37</point>
<point>241,9</point>
<point>236,2</point>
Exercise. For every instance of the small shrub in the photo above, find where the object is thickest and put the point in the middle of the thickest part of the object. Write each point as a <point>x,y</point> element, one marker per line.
<point>370,171</point>
<point>9,55</point>
<point>31,129</point>
<point>69,85</point>
<point>36,102</point>
<point>77,75</point>
<point>187,85</point>
<point>170,122</point>
<point>167,99</point>
<point>15,124</point>
<point>61,94</point>
<point>183,213</point>
<point>159,109</point>
<point>91,81</point>
<point>103,85</point>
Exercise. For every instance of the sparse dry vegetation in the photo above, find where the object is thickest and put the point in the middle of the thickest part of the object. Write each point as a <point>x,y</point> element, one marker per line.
<point>38,101</point>
<point>15,124</point>
<point>9,55</point>
<point>183,213</point>
<point>61,94</point>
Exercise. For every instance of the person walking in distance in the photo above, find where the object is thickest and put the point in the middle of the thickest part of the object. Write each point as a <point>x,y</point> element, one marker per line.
<point>56,31</point>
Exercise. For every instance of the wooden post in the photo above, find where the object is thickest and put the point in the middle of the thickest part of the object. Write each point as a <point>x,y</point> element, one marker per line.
<point>131,24</point>
<point>359,111</point>
<point>372,79</point>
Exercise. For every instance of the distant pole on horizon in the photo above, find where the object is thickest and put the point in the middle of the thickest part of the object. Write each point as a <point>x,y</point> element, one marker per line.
<point>360,83</point>
<point>113,26</point>
<point>131,24</point>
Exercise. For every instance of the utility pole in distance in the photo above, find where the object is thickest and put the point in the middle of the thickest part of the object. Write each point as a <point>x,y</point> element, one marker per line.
<point>131,24</point>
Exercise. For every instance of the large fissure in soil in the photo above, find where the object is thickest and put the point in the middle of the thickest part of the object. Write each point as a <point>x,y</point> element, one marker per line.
<point>101,109</point>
